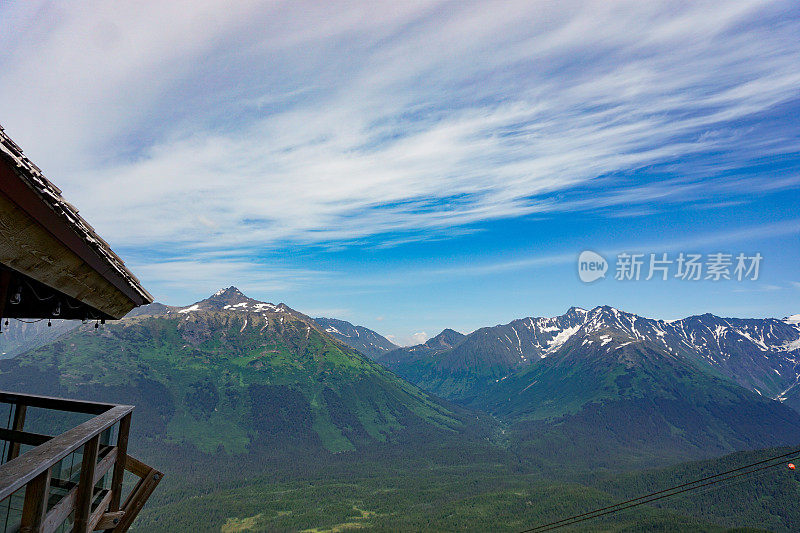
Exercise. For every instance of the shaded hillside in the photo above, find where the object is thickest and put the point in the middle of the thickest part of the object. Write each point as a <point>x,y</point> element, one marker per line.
<point>767,499</point>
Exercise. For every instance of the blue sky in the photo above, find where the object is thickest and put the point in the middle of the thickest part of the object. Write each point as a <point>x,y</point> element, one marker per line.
<point>420,165</point>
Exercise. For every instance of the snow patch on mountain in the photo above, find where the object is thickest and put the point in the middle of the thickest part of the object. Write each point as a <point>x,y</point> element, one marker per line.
<point>791,346</point>
<point>558,341</point>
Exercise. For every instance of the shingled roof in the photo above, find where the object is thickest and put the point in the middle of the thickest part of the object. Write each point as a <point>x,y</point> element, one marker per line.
<point>41,200</point>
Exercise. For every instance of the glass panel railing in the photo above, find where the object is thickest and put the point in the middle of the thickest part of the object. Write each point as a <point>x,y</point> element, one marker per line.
<point>11,512</point>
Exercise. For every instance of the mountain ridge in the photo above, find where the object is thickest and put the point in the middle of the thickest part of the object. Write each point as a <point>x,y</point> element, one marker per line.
<point>759,354</point>
<point>234,372</point>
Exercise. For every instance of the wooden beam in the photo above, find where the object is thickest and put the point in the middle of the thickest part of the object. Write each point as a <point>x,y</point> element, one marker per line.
<point>119,467</point>
<point>35,505</point>
<point>16,186</point>
<point>5,279</point>
<point>109,520</point>
<point>136,467</point>
<point>62,509</point>
<point>105,464</point>
<point>23,437</point>
<point>98,513</point>
<point>137,498</point>
<point>27,247</point>
<point>33,470</point>
<point>18,424</point>
<point>60,512</point>
<point>83,500</point>
<point>58,404</point>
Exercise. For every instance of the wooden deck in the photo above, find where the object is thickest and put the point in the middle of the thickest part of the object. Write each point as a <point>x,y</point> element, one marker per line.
<point>44,490</point>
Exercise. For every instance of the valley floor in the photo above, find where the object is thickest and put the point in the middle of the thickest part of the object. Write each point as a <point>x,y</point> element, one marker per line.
<point>497,494</point>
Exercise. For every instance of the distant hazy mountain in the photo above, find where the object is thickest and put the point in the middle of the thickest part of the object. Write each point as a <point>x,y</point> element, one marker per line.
<point>444,341</point>
<point>153,309</point>
<point>234,372</point>
<point>20,336</point>
<point>366,341</point>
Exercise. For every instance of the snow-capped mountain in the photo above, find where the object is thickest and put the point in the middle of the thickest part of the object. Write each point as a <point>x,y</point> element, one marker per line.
<point>232,299</point>
<point>762,355</point>
<point>611,382</point>
<point>235,305</point>
<point>689,387</point>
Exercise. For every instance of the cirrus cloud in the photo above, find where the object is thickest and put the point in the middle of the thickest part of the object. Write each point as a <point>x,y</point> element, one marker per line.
<point>248,127</point>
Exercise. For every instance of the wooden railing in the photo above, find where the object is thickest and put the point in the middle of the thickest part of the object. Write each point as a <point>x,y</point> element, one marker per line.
<point>76,501</point>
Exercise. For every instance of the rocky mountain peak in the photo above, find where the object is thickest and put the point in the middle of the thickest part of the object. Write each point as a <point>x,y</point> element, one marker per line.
<point>448,337</point>
<point>229,296</point>
<point>232,299</point>
<point>576,313</point>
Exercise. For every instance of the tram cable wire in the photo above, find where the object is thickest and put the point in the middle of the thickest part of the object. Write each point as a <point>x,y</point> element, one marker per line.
<point>665,493</point>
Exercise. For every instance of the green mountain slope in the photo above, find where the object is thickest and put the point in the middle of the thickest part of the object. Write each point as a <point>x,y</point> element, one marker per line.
<point>605,387</point>
<point>233,373</point>
<point>766,499</point>
<point>241,403</point>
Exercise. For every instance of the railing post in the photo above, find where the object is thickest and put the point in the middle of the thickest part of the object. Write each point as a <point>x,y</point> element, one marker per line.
<point>35,506</point>
<point>119,465</point>
<point>83,500</point>
<point>17,425</point>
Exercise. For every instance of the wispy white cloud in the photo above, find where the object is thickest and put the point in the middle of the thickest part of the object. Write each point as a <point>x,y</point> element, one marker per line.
<point>758,288</point>
<point>409,340</point>
<point>251,125</point>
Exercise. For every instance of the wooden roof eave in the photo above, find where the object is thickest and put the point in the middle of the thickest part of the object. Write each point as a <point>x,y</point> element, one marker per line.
<point>43,237</point>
